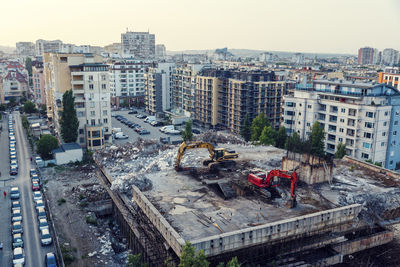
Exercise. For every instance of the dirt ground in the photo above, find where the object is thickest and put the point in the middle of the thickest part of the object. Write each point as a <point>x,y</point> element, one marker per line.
<point>85,240</point>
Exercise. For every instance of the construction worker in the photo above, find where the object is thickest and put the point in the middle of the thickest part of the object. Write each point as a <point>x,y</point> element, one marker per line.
<point>5,194</point>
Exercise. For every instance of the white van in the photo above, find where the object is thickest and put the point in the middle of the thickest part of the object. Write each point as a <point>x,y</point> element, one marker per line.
<point>167,128</point>
<point>150,119</point>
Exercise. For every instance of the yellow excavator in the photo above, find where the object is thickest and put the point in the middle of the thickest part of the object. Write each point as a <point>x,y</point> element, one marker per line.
<point>219,157</point>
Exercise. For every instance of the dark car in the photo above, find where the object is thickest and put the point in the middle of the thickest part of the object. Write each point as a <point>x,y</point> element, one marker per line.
<point>164,140</point>
<point>138,129</point>
<point>32,172</point>
<point>195,131</point>
<point>50,260</point>
<point>144,131</point>
<point>132,112</point>
<point>156,123</point>
<point>13,171</point>
<point>129,123</point>
<point>133,125</point>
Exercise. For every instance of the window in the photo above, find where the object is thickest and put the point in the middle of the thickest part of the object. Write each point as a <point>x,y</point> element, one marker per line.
<point>105,120</point>
<point>308,124</point>
<point>397,113</point>
<point>382,143</point>
<point>340,139</point>
<point>367,135</point>
<point>104,112</point>
<point>343,110</point>
<point>385,123</point>
<point>104,103</point>
<point>370,114</point>
<point>90,77</point>
<point>394,132</point>
<point>91,95</point>
<point>391,162</point>
<point>290,113</point>
<point>366,145</point>
<point>104,86</point>
<point>80,131</point>
<point>81,139</point>
<point>92,113</point>
<point>341,130</point>
<point>341,120</point>
<point>386,113</point>
<point>384,134</point>
<point>92,104</point>
<point>369,125</point>
<point>396,122</point>
<point>289,122</point>
<point>299,122</point>
<point>364,155</point>
<point>309,106</point>
<point>91,86</point>
<point>103,77</point>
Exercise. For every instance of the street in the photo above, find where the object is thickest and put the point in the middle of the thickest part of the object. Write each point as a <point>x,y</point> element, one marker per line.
<point>133,136</point>
<point>34,252</point>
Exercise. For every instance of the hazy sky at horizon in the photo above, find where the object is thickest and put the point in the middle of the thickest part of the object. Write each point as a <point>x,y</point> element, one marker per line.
<point>330,26</point>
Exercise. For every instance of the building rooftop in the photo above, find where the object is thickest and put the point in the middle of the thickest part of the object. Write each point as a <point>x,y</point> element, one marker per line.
<point>66,147</point>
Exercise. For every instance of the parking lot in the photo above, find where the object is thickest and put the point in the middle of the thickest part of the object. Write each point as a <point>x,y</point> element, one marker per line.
<point>132,135</point>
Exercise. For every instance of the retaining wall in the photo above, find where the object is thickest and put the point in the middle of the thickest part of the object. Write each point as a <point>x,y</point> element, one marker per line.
<point>372,167</point>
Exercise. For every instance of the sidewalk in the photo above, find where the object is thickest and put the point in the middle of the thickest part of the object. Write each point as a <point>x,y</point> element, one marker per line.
<point>4,151</point>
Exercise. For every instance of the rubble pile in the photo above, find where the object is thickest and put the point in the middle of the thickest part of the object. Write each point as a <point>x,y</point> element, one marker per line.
<point>220,138</point>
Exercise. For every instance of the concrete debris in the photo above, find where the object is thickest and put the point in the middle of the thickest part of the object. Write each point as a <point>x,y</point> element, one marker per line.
<point>220,138</point>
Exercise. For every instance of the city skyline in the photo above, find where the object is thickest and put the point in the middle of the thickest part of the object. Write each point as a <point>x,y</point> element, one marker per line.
<point>287,25</point>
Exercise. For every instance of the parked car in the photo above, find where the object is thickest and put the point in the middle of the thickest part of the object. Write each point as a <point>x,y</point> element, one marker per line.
<point>156,123</point>
<point>17,241</point>
<point>35,177</point>
<point>35,186</point>
<point>32,172</point>
<point>18,256</point>
<point>144,131</point>
<point>150,119</point>
<point>138,129</point>
<point>132,112</point>
<point>43,224</point>
<point>164,140</point>
<point>13,157</point>
<point>16,228</point>
<point>195,131</point>
<point>15,205</point>
<point>41,213</point>
<point>39,205</point>
<point>141,116</point>
<point>45,237</point>
<point>37,196</point>
<point>120,135</point>
<point>14,192</point>
<point>50,260</point>
<point>14,164</point>
<point>16,216</point>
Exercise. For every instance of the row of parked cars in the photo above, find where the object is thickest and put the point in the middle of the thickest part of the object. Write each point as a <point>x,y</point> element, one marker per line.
<point>140,130</point>
<point>13,148</point>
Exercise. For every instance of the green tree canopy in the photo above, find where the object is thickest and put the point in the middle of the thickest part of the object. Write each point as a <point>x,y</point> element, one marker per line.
<point>28,65</point>
<point>316,140</point>
<point>257,126</point>
<point>281,137</point>
<point>245,130</point>
<point>294,143</point>
<point>43,109</point>
<point>187,134</point>
<point>45,145</point>
<point>268,136</point>
<point>234,262</point>
<point>29,107</point>
<point>189,258</point>
<point>341,151</point>
<point>3,107</point>
<point>69,120</point>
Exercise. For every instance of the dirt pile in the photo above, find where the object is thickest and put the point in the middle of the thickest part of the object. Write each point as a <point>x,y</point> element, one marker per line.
<point>220,138</point>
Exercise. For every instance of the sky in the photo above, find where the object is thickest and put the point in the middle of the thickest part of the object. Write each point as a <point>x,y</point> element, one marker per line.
<point>316,26</point>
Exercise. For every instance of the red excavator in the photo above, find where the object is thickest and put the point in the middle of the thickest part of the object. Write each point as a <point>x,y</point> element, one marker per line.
<point>264,180</point>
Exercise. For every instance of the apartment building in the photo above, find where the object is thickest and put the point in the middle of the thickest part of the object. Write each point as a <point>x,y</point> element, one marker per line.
<point>127,81</point>
<point>364,116</point>
<point>161,52</point>
<point>25,49</point>
<point>44,46</point>
<point>366,55</point>
<point>223,97</point>
<point>390,57</point>
<point>184,87</point>
<point>140,45</point>
<point>14,83</point>
<point>158,88</point>
<point>88,78</point>
<point>38,91</point>
<point>391,76</point>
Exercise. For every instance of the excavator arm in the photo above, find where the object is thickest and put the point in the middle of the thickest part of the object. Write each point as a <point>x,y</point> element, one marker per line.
<point>191,145</point>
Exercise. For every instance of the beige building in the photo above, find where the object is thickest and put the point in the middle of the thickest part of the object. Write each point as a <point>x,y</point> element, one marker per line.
<point>223,97</point>
<point>38,92</point>
<point>87,76</point>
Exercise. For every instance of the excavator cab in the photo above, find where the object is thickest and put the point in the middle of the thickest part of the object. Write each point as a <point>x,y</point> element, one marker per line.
<point>219,153</point>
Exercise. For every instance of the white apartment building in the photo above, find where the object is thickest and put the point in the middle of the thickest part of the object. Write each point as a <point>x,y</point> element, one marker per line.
<point>25,49</point>
<point>364,116</point>
<point>140,45</point>
<point>158,88</point>
<point>127,80</point>
<point>88,78</point>
<point>161,52</point>
<point>44,46</point>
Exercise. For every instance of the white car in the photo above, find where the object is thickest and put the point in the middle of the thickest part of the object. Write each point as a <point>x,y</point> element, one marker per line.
<point>45,237</point>
<point>16,215</point>
<point>39,204</point>
<point>19,256</point>
<point>43,224</point>
<point>37,196</point>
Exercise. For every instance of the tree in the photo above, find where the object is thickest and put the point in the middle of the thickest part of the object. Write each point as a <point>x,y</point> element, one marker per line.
<point>3,107</point>
<point>294,143</point>
<point>69,120</point>
<point>316,140</point>
<point>29,107</point>
<point>281,137</point>
<point>257,126</point>
<point>245,131</point>
<point>341,151</point>
<point>234,262</point>
<point>12,102</point>
<point>43,109</point>
<point>135,261</point>
<point>187,134</point>
<point>190,259</point>
<point>45,145</point>
<point>267,136</point>
<point>28,65</point>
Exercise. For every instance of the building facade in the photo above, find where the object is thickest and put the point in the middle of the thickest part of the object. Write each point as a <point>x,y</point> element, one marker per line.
<point>25,49</point>
<point>38,91</point>
<point>14,84</point>
<point>363,116</point>
<point>390,57</point>
<point>88,78</point>
<point>44,46</point>
<point>366,55</point>
<point>140,45</point>
<point>158,88</point>
<point>184,87</point>
<point>161,52</point>
<point>391,76</point>
<point>224,97</point>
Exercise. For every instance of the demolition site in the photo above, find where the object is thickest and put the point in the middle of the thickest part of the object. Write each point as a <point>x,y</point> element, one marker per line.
<point>267,206</point>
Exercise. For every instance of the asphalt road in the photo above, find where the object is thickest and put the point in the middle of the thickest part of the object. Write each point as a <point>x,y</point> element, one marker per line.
<point>34,252</point>
<point>133,136</point>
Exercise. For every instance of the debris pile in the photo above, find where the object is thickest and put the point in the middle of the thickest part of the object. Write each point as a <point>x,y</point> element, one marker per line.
<point>220,138</point>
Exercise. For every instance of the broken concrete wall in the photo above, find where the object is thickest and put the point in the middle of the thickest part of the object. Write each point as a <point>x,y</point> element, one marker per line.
<point>310,168</point>
<point>372,167</point>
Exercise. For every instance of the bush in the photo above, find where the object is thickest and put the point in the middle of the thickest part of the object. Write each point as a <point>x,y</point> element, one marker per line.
<point>91,220</point>
<point>83,204</point>
<point>61,201</point>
